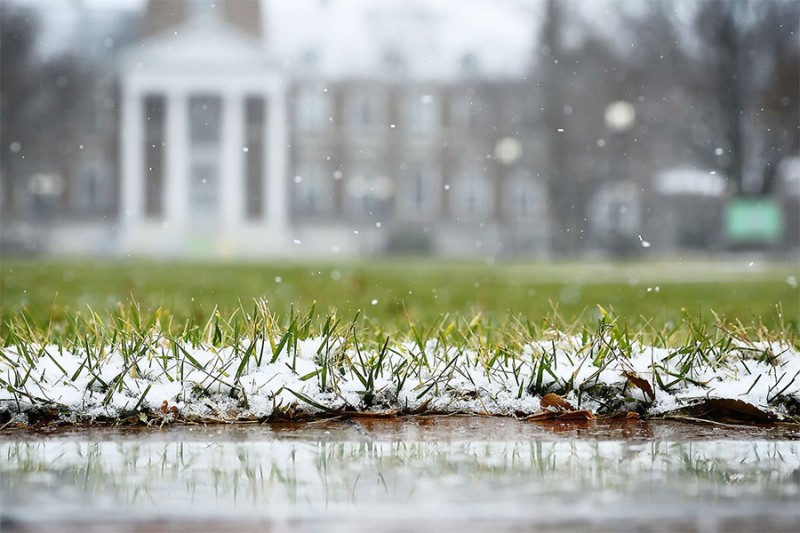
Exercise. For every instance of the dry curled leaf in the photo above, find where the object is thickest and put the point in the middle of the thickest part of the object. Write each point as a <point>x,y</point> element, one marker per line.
<point>167,408</point>
<point>554,407</point>
<point>631,416</point>
<point>583,414</point>
<point>731,410</point>
<point>555,401</point>
<point>542,415</point>
<point>641,383</point>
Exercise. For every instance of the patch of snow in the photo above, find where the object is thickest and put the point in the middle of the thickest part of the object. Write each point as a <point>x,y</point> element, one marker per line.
<point>202,380</point>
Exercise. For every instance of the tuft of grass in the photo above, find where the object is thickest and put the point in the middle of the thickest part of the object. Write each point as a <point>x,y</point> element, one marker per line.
<point>408,367</point>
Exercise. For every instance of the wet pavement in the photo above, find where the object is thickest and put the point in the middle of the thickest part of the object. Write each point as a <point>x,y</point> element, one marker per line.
<point>407,474</point>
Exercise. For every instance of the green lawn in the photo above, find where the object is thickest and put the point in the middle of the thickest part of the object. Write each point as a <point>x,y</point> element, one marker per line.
<point>393,333</point>
<point>387,291</point>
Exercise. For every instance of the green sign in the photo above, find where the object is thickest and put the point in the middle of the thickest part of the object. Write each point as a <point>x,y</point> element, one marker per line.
<point>754,220</point>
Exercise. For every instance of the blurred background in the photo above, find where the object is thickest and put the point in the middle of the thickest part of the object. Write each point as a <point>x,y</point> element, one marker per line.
<point>476,129</point>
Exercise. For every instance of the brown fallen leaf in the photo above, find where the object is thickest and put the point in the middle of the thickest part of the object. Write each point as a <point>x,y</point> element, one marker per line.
<point>555,401</point>
<point>583,414</point>
<point>627,415</point>
<point>731,410</point>
<point>641,383</point>
<point>388,413</point>
<point>542,415</point>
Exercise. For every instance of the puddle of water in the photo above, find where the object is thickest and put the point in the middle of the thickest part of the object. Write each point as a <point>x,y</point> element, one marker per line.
<point>424,473</point>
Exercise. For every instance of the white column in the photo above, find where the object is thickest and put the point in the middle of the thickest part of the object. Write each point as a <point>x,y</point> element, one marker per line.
<point>277,152</point>
<point>132,151</point>
<point>232,178</point>
<point>176,175</point>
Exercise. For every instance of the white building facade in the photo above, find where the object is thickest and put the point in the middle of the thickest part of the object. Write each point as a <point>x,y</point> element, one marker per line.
<point>203,129</point>
<point>236,140</point>
<point>226,151</point>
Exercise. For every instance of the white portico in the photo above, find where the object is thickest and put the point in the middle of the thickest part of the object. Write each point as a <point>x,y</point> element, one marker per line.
<point>203,144</point>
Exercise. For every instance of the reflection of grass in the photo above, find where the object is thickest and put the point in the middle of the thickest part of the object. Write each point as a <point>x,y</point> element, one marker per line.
<point>420,290</point>
<point>280,476</point>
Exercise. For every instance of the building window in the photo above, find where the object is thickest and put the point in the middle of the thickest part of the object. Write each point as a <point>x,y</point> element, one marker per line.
<point>423,114</point>
<point>393,60</point>
<point>419,189</point>
<point>205,115</point>
<point>95,187</point>
<point>313,110</point>
<point>312,190</point>
<point>524,196</point>
<point>367,110</point>
<point>254,157</point>
<point>204,195</point>
<point>154,132</point>
<point>202,7</point>
<point>473,195</point>
<point>468,112</point>
<point>368,192</point>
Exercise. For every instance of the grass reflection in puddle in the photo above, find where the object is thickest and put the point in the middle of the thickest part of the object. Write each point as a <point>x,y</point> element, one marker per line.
<point>522,482</point>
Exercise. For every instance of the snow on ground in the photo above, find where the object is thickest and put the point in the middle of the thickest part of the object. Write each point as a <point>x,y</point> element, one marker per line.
<point>319,374</point>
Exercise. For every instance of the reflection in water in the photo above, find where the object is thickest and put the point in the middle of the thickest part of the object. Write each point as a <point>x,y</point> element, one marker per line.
<point>518,482</point>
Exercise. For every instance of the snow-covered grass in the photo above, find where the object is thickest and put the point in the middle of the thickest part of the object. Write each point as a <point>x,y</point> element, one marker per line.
<point>254,365</point>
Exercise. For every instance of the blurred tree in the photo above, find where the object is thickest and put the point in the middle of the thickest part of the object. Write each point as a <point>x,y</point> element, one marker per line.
<point>553,81</point>
<point>48,111</point>
<point>575,82</point>
<point>722,60</point>
<point>715,83</point>
<point>18,27</point>
<point>739,78</point>
<point>67,87</point>
<point>779,99</point>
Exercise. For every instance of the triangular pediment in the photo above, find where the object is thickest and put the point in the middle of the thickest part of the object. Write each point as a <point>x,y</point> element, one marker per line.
<point>204,43</point>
